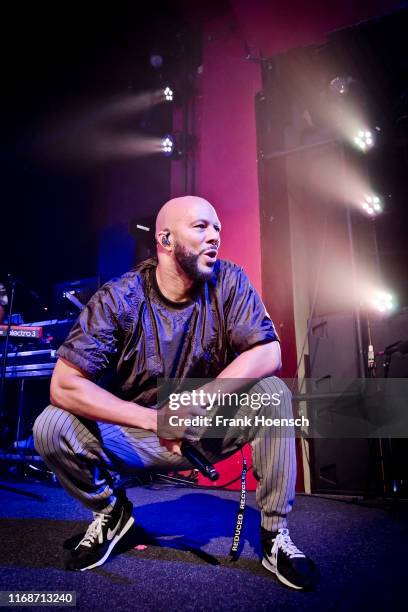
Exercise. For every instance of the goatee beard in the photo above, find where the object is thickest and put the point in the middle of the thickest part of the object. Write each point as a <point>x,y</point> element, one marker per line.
<point>188,262</point>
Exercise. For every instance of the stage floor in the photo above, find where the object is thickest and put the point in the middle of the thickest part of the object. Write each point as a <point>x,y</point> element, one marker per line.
<point>183,564</point>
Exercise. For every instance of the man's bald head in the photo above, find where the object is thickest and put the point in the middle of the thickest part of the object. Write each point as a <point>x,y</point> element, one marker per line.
<point>188,235</point>
<point>180,209</point>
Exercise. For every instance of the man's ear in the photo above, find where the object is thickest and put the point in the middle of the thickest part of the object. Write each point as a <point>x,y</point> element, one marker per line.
<point>164,238</point>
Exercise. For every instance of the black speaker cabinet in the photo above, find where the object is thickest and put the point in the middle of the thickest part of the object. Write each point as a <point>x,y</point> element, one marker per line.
<point>354,466</point>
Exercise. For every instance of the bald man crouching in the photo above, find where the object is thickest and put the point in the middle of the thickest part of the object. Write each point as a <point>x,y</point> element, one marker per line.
<point>182,315</point>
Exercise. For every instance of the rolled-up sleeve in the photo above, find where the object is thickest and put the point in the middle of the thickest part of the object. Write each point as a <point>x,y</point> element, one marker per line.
<point>247,321</point>
<point>93,342</point>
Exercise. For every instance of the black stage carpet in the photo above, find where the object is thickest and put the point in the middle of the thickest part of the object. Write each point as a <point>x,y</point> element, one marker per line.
<point>183,564</point>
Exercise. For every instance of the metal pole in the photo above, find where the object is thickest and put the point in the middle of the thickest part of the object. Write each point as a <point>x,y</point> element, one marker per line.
<point>355,295</point>
<point>5,353</point>
<point>356,299</point>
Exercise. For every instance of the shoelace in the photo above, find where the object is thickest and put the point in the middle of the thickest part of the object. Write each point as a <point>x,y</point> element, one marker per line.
<point>283,542</point>
<point>94,530</point>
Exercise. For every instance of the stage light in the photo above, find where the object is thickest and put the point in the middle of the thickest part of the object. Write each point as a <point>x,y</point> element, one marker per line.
<point>177,145</point>
<point>364,139</point>
<point>168,94</point>
<point>372,205</point>
<point>382,301</point>
<point>167,145</point>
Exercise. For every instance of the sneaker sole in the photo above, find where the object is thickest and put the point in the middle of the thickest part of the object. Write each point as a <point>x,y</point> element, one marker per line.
<point>271,568</point>
<point>112,545</point>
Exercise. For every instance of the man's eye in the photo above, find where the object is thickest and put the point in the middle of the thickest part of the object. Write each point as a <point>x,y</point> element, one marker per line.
<point>200,225</point>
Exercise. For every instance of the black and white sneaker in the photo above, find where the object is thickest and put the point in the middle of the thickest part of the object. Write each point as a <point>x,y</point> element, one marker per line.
<point>101,537</point>
<point>292,567</point>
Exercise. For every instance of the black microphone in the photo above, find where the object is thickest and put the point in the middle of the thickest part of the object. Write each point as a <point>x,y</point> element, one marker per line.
<point>397,347</point>
<point>198,460</point>
<point>15,280</point>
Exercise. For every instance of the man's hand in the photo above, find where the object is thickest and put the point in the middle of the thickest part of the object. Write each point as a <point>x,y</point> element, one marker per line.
<point>175,425</point>
<point>173,446</point>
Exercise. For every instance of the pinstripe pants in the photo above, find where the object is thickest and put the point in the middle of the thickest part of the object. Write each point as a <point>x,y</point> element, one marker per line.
<point>84,453</point>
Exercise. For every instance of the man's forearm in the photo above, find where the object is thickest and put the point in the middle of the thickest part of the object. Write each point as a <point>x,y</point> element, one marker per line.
<point>84,398</point>
<point>258,362</point>
<point>255,363</point>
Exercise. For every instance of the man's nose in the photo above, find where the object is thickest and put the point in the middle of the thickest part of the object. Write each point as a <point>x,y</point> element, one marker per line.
<point>213,237</point>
